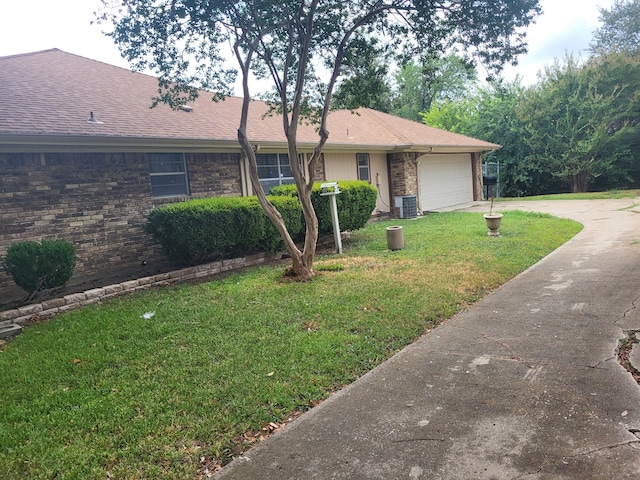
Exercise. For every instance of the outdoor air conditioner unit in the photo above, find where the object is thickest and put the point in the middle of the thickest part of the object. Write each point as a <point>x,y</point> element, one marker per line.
<point>407,206</point>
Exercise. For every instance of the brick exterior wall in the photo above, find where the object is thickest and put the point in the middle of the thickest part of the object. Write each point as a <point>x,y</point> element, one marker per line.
<point>99,202</point>
<point>319,173</point>
<point>214,175</point>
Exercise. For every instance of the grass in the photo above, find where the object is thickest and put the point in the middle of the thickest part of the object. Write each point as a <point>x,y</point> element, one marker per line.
<point>103,392</point>
<point>610,194</point>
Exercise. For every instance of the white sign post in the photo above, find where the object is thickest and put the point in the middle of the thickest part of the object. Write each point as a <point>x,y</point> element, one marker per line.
<point>331,189</point>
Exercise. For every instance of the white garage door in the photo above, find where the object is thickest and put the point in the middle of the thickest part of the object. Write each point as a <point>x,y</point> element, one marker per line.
<point>445,181</point>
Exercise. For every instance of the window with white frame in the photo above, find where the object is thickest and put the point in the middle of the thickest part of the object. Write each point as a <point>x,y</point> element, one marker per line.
<point>364,172</point>
<point>274,170</point>
<point>168,174</point>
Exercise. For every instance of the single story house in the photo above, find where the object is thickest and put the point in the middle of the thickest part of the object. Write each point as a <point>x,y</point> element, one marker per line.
<point>83,157</point>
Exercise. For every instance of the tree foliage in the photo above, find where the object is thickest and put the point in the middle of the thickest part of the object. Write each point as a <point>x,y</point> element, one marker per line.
<point>618,74</point>
<point>435,79</point>
<point>619,29</point>
<point>365,81</point>
<point>576,118</point>
<point>411,90</point>
<point>577,128</point>
<point>489,113</point>
<point>290,42</point>
<point>497,122</point>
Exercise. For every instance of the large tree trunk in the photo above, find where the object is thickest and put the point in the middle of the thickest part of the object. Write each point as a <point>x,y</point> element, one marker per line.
<point>302,262</point>
<point>580,181</point>
<point>303,265</point>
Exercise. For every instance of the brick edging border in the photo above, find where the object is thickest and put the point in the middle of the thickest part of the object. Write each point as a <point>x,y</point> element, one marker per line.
<point>49,308</point>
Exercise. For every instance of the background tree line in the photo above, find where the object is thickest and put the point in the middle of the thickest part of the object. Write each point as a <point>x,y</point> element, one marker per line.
<point>576,129</point>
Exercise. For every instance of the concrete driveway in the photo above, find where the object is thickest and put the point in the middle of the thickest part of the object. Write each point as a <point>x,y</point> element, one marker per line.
<point>523,385</point>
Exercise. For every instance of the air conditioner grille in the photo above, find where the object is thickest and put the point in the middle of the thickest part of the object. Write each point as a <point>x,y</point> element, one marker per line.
<point>407,206</point>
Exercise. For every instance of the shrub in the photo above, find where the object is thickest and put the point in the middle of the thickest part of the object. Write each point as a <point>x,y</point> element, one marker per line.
<point>37,266</point>
<point>199,230</point>
<point>356,201</point>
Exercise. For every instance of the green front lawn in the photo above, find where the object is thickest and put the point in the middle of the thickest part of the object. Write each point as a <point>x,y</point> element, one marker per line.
<point>103,392</point>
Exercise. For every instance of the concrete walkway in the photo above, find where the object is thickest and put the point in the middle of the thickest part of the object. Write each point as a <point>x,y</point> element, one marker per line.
<point>523,385</point>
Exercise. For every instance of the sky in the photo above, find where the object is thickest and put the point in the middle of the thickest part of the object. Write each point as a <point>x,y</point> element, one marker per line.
<point>564,27</point>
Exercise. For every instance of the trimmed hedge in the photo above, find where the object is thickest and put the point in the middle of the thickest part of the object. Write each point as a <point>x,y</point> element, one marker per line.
<point>356,201</point>
<point>41,265</point>
<point>205,229</point>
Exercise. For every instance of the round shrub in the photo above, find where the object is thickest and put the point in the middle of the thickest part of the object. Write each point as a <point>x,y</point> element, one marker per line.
<point>41,265</point>
<point>205,229</point>
<point>356,202</point>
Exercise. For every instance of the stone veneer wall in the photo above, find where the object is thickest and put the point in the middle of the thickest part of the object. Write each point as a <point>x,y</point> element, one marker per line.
<point>476,171</point>
<point>98,201</point>
<point>404,175</point>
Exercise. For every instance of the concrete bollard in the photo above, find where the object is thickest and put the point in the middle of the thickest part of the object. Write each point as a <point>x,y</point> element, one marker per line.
<point>395,238</point>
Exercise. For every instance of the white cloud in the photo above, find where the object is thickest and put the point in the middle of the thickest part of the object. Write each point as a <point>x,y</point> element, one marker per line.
<point>33,25</point>
<point>565,26</point>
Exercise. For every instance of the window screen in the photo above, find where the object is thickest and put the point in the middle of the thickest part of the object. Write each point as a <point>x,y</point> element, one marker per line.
<point>363,167</point>
<point>274,170</point>
<point>168,175</point>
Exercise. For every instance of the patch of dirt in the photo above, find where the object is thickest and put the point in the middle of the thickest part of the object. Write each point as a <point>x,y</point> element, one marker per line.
<point>624,350</point>
<point>16,297</point>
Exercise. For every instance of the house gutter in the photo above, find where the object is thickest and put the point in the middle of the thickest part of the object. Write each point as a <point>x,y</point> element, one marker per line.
<point>94,143</point>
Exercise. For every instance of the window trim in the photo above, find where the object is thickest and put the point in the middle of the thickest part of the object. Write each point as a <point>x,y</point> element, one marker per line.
<point>365,157</point>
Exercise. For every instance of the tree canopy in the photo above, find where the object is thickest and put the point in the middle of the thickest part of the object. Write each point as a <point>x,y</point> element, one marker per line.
<point>365,81</point>
<point>419,85</point>
<point>576,129</point>
<point>301,46</point>
<point>489,112</point>
<point>619,29</point>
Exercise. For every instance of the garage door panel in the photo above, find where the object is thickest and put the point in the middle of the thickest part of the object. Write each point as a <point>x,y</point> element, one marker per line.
<point>446,181</point>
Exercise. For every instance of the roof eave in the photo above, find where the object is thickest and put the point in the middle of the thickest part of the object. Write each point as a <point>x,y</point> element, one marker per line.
<point>95,143</point>
<point>489,147</point>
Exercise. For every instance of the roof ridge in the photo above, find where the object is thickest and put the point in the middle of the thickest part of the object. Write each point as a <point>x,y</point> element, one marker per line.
<point>69,54</point>
<point>28,54</point>
<point>129,70</point>
<point>379,118</point>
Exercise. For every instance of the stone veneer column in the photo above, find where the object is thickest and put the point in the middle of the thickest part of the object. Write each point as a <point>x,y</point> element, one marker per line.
<point>476,172</point>
<point>404,175</point>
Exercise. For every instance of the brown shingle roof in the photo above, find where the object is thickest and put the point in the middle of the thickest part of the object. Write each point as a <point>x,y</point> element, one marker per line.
<point>51,93</point>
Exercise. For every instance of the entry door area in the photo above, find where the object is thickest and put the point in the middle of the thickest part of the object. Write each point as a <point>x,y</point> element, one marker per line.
<point>445,181</point>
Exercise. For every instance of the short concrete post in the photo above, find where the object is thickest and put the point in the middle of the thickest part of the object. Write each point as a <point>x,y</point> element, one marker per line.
<point>395,238</point>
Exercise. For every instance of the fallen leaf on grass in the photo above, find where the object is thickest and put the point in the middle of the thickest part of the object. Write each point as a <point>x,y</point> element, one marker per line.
<point>270,374</point>
<point>76,361</point>
<point>310,326</point>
